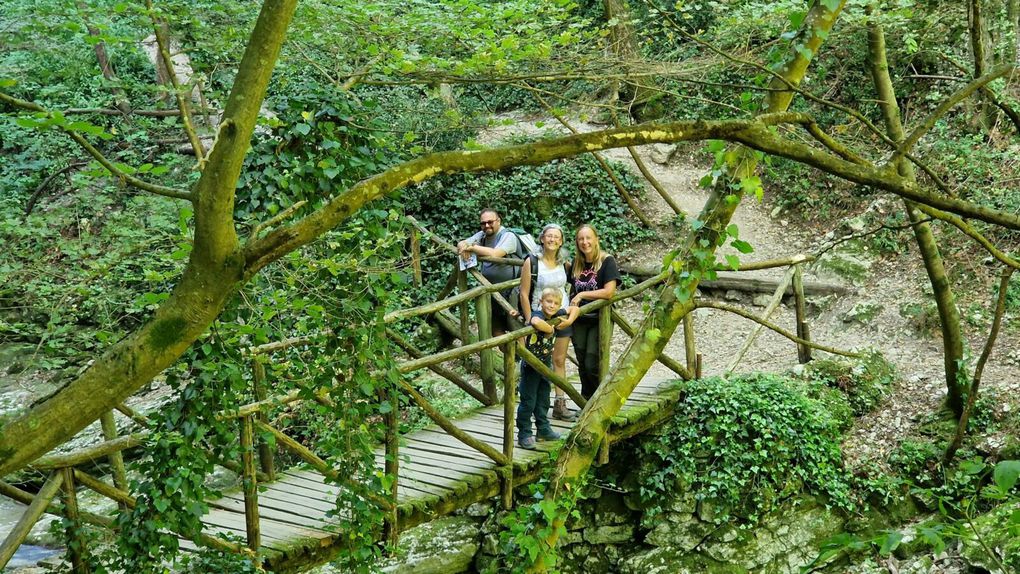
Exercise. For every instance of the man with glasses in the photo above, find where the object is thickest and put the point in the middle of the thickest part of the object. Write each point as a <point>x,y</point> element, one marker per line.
<point>492,241</point>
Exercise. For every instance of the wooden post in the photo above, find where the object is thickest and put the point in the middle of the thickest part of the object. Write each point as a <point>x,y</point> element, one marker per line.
<point>483,315</point>
<point>258,370</point>
<point>697,366</point>
<point>509,400</point>
<point>117,458</point>
<point>416,255</point>
<point>465,325</point>
<point>39,504</point>
<point>689,348</point>
<point>392,527</point>
<point>605,340</point>
<point>803,351</point>
<point>250,482</point>
<point>76,550</point>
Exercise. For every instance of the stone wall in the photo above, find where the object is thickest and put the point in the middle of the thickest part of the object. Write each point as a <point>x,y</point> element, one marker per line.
<point>613,535</point>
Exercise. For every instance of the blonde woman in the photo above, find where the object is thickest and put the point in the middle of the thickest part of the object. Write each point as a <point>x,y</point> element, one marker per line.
<point>594,275</point>
<point>548,270</point>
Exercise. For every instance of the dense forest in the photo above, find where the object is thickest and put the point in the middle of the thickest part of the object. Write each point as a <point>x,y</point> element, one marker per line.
<point>186,183</point>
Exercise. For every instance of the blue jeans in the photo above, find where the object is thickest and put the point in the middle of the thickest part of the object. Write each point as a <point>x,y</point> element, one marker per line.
<point>533,390</point>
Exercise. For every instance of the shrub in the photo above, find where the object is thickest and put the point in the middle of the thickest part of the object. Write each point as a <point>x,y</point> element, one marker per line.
<point>865,381</point>
<point>570,192</point>
<point>744,446</point>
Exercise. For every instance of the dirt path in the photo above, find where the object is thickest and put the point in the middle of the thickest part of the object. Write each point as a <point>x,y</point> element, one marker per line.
<point>885,288</point>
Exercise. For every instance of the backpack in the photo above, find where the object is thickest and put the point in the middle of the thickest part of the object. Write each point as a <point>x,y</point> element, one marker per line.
<point>515,294</point>
<point>526,245</point>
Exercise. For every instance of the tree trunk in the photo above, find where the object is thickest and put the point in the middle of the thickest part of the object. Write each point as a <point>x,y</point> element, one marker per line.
<point>949,316</point>
<point>623,46</point>
<point>979,46</point>
<point>582,445</point>
<point>210,278</point>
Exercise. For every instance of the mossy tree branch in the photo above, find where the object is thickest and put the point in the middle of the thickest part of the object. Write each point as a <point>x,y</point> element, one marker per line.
<point>675,299</point>
<point>98,155</point>
<point>210,278</point>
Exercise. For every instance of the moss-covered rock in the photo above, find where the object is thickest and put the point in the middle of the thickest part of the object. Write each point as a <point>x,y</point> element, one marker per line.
<point>444,546</point>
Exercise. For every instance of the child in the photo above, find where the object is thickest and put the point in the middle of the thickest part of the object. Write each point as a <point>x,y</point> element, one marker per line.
<point>534,388</point>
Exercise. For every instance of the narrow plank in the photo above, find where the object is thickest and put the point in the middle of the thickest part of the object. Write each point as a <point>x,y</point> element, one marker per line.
<point>276,511</point>
<point>432,459</point>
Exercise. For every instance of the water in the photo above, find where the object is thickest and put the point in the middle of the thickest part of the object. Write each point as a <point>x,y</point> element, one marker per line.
<point>27,555</point>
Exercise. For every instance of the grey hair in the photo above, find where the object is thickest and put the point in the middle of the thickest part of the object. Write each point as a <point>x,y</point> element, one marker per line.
<point>561,255</point>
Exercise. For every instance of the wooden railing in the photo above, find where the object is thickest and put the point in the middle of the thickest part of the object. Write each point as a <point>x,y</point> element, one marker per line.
<point>258,465</point>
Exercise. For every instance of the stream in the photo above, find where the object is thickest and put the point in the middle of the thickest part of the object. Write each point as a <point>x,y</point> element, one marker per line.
<point>27,555</point>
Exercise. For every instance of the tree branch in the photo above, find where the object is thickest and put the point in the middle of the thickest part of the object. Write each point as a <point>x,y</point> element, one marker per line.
<point>163,46</point>
<point>948,104</point>
<point>95,153</point>
<point>701,304</point>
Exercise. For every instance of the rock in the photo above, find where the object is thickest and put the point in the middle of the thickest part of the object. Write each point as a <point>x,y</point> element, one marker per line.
<point>679,531</point>
<point>856,225</point>
<point>733,295</point>
<point>662,153</point>
<point>844,264</point>
<point>761,300</point>
<point>862,313</point>
<point>989,527</point>
<point>479,509</point>
<point>444,546</point>
<point>609,534</point>
<point>776,211</point>
<point>611,509</point>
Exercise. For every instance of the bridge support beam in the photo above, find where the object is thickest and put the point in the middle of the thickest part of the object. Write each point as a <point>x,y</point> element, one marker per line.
<point>251,485</point>
<point>487,357</point>
<point>76,550</point>
<point>509,401</point>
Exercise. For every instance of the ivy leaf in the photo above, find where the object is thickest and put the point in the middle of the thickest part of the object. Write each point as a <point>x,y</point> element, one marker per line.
<point>716,145</point>
<point>742,246</point>
<point>890,541</point>
<point>751,185</point>
<point>1006,474</point>
<point>733,261</point>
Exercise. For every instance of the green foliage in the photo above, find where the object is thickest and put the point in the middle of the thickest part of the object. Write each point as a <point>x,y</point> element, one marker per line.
<point>522,543</point>
<point>865,382</point>
<point>569,192</point>
<point>978,504</point>
<point>322,141</point>
<point>171,489</point>
<point>744,446</point>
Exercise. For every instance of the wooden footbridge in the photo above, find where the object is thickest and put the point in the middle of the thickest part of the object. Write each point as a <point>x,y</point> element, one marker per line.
<point>286,516</point>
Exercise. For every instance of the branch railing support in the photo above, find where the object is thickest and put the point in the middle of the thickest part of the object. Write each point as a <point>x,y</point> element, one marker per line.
<point>116,459</point>
<point>392,466</point>
<point>605,340</point>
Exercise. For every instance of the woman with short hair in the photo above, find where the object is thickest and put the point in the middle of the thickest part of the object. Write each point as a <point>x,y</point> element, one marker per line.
<point>551,265</point>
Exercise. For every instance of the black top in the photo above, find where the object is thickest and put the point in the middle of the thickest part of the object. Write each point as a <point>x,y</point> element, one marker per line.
<point>541,344</point>
<point>589,280</point>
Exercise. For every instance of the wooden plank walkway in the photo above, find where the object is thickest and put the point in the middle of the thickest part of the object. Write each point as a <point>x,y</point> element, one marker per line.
<point>438,475</point>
